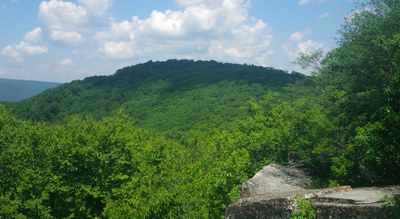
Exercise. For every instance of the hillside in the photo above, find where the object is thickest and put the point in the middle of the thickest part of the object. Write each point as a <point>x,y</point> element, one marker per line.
<point>177,139</point>
<point>154,140</point>
<point>162,95</point>
<point>15,90</point>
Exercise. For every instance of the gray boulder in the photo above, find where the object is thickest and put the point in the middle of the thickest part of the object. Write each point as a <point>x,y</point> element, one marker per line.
<point>274,180</point>
<point>271,193</point>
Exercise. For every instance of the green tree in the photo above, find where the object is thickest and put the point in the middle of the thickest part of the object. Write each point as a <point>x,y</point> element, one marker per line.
<point>361,79</point>
<point>290,133</point>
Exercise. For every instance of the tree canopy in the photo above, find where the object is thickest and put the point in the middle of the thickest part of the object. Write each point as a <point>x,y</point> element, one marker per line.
<point>362,80</point>
<point>176,139</point>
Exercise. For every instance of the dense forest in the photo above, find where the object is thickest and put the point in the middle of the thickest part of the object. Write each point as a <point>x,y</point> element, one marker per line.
<point>176,139</point>
<point>162,95</point>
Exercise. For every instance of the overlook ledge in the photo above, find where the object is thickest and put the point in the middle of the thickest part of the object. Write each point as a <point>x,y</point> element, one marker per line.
<point>271,193</point>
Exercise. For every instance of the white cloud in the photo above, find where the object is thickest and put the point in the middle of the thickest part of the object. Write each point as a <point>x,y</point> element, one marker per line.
<point>293,50</point>
<point>264,58</point>
<point>71,38</point>
<point>296,44</point>
<point>60,15</point>
<point>12,53</point>
<point>29,49</point>
<point>117,31</point>
<point>254,43</point>
<point>169,23</point>
<point>302,2</point>
<point>309,46</point>
<point>96,8</point>
<point>66,61</point>
<point>202,29</point>
<point>296,36</point>
<point>16,52</point>
<point>34,36</point>
<point>324,15</point>
<point>299,35</point>
<point>67,16</point>
<point>119,50</point>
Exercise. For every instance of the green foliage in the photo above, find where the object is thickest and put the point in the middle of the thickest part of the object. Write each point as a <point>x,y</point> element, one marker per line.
<point>104,166</point>
<point>392,205</point>
<point>176,139</point>
<point>361,80</point>
<point>290,133</point>
<point>310,60</point>
<point>162,96</point>
<point>304,209</point>
<point>108,168</point>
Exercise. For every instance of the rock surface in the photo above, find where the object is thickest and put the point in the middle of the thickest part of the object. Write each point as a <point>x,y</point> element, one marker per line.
<point>274,179</point>
<point>271,194</point>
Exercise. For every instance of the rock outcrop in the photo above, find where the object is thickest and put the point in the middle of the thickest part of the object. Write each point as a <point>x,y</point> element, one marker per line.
<point>271,193</point>
<point>274,179</point>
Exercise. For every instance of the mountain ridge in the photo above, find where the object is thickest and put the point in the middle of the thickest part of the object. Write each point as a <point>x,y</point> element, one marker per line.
<point>145,91</point>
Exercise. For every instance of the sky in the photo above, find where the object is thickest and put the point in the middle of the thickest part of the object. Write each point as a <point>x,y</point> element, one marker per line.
<point>65,40</point>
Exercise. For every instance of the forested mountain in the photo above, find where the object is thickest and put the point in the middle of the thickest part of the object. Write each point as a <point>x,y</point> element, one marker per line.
<point>158,139</point>
<point>162,95</point>
<point>176,139</point>
<point>16,90</point>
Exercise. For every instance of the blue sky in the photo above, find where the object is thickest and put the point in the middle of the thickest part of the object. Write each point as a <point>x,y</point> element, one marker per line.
<point>64,40</point>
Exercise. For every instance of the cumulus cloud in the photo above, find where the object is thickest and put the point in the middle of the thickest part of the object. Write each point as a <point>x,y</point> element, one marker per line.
<point>119,50</point>
<point>299,35</point>
<point>117,31</point>
<point>29,49</point>
<point>253,43</point>
<point>296,44</point>
<point>60,15</point>
<point>16,52</point>
<point>296,36</point>
<point>71,38</point>
<point>66,61</point>
<point>309,46</point>
<point>96,8</point>
<point>85,15</point>
<point>204,29</point>
<point>264,58</point>
<point>34,36</point>
<point>199,29</point>
<point>12,53</point>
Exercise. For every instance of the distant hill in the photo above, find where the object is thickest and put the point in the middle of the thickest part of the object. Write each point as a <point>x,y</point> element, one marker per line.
<point>15,90</point>
<point>162,96</point>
